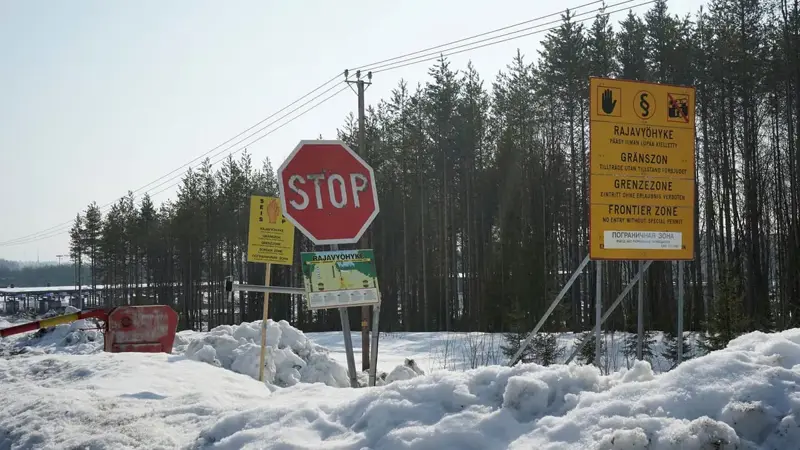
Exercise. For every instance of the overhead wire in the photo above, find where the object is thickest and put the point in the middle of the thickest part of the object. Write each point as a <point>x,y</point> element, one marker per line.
<point>484,42</point>
<point>342,89</point>
<point>379,66</point>
<point>457,41</point>
<point>179,175</point>
<point>59,228</point>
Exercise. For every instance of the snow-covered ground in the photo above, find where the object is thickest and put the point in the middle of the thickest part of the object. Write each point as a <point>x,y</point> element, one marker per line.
<point>60,391</point>
<point>462,351</point>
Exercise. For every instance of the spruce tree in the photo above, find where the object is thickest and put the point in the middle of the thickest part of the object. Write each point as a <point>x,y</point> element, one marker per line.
<point>93,224</point>
<point>670,350</point>
<point>586,354</point>
<point>77,243</point>
<point>727,319</point>
<point>514,338</point>
<point>546,349</point>
<point>648,346</point>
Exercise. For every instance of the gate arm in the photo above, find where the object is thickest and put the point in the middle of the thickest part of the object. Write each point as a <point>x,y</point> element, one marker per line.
<point>99,313</point>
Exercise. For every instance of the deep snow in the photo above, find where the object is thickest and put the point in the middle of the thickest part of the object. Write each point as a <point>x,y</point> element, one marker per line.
<point>63,393</point>
<point>743,397</point>
<point>291,357</point>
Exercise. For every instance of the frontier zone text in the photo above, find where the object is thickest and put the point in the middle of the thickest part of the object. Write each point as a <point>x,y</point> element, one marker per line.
<point>659,215</point>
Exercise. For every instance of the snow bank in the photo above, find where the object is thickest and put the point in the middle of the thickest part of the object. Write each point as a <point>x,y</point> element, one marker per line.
<point>115,400</point>
<point>291,357</point>
<point>744,397</point>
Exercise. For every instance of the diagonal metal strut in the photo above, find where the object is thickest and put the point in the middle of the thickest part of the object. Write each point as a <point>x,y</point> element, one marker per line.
<point>549,310</point>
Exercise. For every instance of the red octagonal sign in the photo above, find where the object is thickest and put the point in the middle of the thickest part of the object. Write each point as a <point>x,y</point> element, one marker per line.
<point>328,192</point>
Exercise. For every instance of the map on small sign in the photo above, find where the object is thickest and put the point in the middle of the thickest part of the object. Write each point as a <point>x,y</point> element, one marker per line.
<point>642,171</point>
<point>270,237</point>
<point>340,278</point>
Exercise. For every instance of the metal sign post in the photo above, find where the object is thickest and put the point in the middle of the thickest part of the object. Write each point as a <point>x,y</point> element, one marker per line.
<point>640,315</point>
<point>373,365</point>
<point>328,192</point>
<point>348,339</point>
<point>680,311</point>
<point>598,310</point>
<point>613,306</point>
<point>642,177</point>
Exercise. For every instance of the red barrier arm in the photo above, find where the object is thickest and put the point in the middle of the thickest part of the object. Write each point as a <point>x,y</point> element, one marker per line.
<point>101,314</point>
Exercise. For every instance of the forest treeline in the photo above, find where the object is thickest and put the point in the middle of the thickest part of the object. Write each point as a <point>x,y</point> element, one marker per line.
<point>484,190</point>
<point>19,275</point>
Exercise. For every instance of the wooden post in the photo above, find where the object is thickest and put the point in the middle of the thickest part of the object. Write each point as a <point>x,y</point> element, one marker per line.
<point>264,325</point>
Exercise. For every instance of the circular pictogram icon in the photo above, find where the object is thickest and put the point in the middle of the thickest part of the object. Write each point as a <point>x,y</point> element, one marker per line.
<point>644,105</point>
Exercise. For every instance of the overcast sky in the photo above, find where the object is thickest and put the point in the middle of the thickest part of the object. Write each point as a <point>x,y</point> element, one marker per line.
<point>102,97</point>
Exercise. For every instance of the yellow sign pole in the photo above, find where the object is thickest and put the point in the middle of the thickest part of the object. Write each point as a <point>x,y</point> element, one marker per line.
<point>271,241</point>
<point>264,325</point>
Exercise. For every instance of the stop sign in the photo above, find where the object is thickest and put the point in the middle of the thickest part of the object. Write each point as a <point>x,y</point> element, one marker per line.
<point>328,192</point>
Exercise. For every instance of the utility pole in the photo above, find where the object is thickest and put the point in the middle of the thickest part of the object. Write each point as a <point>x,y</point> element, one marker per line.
<point>364,242</point>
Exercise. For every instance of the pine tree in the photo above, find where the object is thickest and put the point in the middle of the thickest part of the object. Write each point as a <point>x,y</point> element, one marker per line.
<point>648,346</point>
<point>670,350</point>
<point>92,225</point>
<point>587,353</point>
<point>727,320</point>
<point>77,247</point>
<point>602,48</point>
<point>513,339</point>
<point>632,53</point>
<point>546,349</point>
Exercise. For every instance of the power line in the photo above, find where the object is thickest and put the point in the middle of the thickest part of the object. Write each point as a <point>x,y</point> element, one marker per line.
<point>497,30</point>
<point>179,175</point>
<point>245,131</point>
<point>69,223</point>
<point>62,230</point>
<point>268,133</point>
<point>436,55</point>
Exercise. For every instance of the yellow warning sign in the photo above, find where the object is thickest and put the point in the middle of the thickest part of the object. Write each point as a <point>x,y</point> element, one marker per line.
<point>270,237</point>
<point>642,170</point>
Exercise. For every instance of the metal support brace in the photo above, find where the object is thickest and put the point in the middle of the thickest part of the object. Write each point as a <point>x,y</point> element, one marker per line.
<point>598,309</point>
<point>348,346</point>
<point>613,307</point>
<point>269,289</point>
<point>373,364</point>
<point>549,311</point>
<point>680,311</point>
<point>640,316</point>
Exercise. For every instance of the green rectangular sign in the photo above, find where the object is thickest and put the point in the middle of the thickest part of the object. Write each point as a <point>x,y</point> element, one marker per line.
<point>340,278</point>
